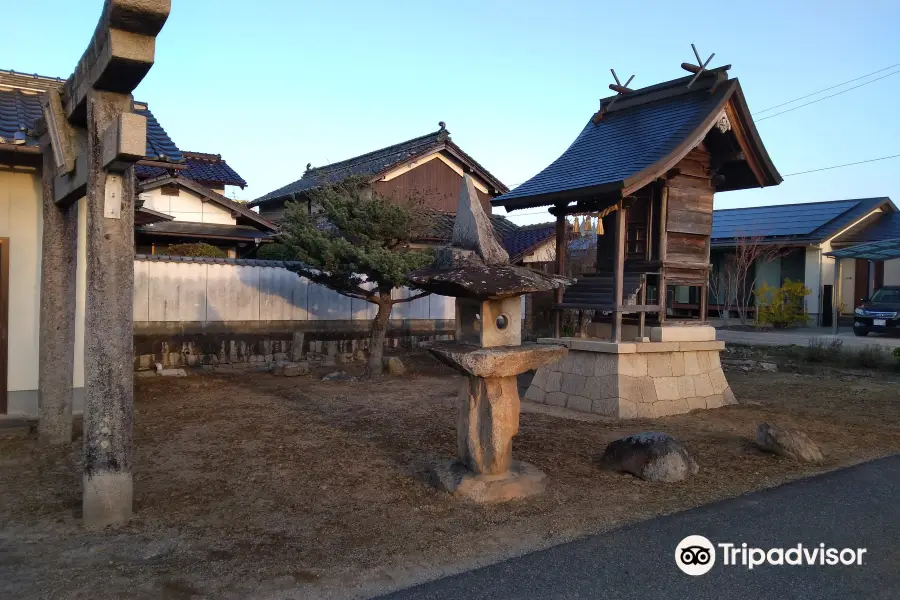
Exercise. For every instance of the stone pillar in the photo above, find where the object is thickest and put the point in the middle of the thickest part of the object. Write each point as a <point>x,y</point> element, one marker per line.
<point>488,420</point>
<point>108,324</point>
<point>56,362</point>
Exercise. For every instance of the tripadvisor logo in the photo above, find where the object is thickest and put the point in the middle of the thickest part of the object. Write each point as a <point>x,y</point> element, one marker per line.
<point>696,555</point>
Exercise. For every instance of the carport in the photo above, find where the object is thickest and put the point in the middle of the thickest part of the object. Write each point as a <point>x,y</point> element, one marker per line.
<point>883,250</point>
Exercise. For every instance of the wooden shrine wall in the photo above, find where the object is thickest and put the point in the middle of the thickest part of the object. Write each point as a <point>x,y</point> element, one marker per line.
<point>689,209</point>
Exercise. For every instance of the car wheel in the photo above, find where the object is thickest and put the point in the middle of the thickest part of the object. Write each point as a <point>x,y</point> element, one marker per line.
<point>861,332</point>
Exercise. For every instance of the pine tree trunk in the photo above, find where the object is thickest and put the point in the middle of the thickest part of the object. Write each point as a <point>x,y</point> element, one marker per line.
<point>378,334</point>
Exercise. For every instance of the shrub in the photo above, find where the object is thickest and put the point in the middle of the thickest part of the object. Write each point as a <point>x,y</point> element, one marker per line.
<point>274,251</point>
<point>197,249</point>
<point>822,350</point>
<point>782,307</point>
<point>872,356</point>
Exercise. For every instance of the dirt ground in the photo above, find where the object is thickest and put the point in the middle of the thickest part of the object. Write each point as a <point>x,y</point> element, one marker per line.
<point>254,486</point>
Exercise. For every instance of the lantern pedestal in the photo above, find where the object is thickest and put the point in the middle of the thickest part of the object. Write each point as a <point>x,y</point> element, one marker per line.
<point>488,419</point>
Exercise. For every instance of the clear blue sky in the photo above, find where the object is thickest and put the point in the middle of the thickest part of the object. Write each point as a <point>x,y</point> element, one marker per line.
<point>274,84</point>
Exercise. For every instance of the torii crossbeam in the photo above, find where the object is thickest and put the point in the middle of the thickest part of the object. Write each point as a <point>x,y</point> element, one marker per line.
<point>91,140</point>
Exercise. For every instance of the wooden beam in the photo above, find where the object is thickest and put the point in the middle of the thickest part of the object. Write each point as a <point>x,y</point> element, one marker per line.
<point>161,164</point>
<point>619,271</point>
<point>561,242</point>
<point>663,208</point>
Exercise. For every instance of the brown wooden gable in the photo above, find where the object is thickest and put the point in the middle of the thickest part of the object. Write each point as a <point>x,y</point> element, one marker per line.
<point>433,180</point>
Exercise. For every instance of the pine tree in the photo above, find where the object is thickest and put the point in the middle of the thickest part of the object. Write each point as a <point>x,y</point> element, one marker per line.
<point>359,244</point>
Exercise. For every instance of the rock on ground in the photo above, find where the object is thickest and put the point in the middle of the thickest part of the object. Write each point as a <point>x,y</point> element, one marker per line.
<point>653,456</point>
<point>292,369</point>
<point>339,376</point>
<point>395,366</point>
<point>791,443</point>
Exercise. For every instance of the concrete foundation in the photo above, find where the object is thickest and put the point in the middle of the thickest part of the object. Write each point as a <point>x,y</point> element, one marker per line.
<point>633,380</point>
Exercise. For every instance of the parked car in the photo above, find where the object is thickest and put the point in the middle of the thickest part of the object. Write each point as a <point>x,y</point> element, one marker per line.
<point>880,313</point>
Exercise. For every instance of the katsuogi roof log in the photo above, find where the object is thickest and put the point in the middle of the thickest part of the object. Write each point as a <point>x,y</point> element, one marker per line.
<point>485,282</point>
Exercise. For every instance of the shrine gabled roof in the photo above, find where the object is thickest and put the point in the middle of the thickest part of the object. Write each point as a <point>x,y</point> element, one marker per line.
<point>642,135</point>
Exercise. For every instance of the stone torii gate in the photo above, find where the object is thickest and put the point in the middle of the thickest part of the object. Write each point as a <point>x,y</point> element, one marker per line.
<point>91,139</point>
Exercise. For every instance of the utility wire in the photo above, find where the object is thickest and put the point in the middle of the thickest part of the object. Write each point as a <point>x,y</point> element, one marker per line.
<point>859,162</point>
<point>844,165</point>
<point>827,97</point>
<point>824,90</point>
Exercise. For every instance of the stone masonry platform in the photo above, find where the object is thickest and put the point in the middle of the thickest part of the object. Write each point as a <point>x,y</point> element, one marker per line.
<point>630,380</point>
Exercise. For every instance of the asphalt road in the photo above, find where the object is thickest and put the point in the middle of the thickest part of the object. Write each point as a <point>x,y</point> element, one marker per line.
<point>857,507</point>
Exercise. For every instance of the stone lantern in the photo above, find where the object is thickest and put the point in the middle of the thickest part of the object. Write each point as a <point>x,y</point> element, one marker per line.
<point>489,351</point>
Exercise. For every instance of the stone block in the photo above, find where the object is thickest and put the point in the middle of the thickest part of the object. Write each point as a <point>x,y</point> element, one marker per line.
<point>564,365</point>
<point>686,387</point>
<point>521,480</point>
<point>715,401</point>
<point>700,346</point>
<point>702,385</point>
<point>607,364</point>
<point>728,396</point>
<point>583,363</point>
<point>540,378</point>
<point>633,365</point>
<point>554,381</point>
<point>677,364</point>
<point>703,361</point>
<point>691,364</point>
<point>145,361</point>
<point>601,346</point>
<point>555,399</point>
<point>627,410</point>
<point>579,403</point>
<point>572,384</point>
<point>680,406</point>
<point>714,361</point>
<point>667,388</point>
<point>659,365</point>
<point>535,394</point>
<point>633,389</point>
<point>696,403</point>
<point>675,333</point>
<point>656,347</point>
<point>644,410</point>
<point>717,378</point>
<point>598,388</point>
<point>608,407</point>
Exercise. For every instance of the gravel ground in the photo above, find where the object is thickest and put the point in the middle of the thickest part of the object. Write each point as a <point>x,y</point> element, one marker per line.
<point>254,486</point>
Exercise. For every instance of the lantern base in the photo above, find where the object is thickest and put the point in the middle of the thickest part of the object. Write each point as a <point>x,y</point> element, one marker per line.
<point>522,480</point>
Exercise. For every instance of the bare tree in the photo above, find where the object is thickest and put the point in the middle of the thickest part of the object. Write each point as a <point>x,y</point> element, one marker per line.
<point>732,284</point>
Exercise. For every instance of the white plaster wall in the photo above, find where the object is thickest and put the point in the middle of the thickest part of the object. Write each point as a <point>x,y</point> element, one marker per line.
<point>892,272</point>
<point>175,291</point>
<point>544,253</point>
<point>21,222</point>
<point>187,206</point>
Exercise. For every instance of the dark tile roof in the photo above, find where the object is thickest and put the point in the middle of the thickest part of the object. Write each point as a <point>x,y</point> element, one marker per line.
<point>244,262</point>
<point>641,136</point>
<point>886,227</point>
<point>365,164</point>
<point>20,110</point>
<point>205,230</point>
<point>811,222</point>
<point>528,238</point>
<point>376,162</point>
<point>204,168</point>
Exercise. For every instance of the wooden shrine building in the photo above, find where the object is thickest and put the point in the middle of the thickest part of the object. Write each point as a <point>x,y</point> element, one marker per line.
<point>649,163</point>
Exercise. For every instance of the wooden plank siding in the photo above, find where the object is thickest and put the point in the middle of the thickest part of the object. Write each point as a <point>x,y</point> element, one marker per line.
<point>435,181</point>
<point>689,209</point>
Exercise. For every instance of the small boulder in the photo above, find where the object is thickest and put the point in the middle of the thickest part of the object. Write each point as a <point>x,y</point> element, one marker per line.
<point>292,369</point>
<point>395,366</point>
<point>173,372</point>
<point>791,443</point>
<point>339,376</point>
<point>653,456</point>
<point>767,366</point>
